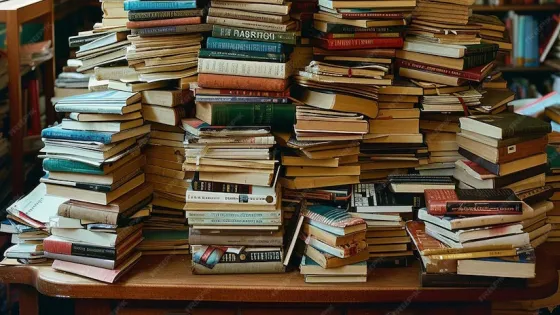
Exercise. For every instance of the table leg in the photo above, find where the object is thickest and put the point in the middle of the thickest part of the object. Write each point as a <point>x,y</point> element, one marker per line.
<point>92,307</point>
<point>28,299</point>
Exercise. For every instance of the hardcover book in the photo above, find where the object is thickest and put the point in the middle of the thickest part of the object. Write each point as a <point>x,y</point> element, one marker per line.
<point>472,202</point>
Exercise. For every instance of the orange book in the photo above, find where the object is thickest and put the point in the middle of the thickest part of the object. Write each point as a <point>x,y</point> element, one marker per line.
<point>218,81</point>
<point>168,22</point>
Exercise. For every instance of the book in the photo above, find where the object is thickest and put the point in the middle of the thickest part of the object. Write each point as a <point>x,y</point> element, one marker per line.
<point>171,30</point>
<point>333,220</point>
<point>508,168</point>
<point>258,195</point>
<point>231,32</point>
<point>223,260</point>
<point>503,126</point>
<point>159,5</point>
<point>377,198</point>
<point>476,74</point>
<point>467,202</point>
<point>338,102</point>
<point>259,69</point>
<point>101,274</point>
<point>161,15</point>
<point>358,43</point>
<point>454,223</point>
<point>57,132</point>
<point>326,260</point>
<point>309,267</point>
<point>521,265</point>
<point>241,82</point>
<point>169,98</point>
<point>502,154</point>
<point>101,126</point>
<point>279,117</point>
<point>164,115</point>
<point>283,27</point>
<point>332,239</point>
<point>165,22</point>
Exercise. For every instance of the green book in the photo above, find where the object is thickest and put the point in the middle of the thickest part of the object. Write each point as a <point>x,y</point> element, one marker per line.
<point>505,125</point>
<point>57,165</point>
<point>254,35</point>
<point>280,117</point>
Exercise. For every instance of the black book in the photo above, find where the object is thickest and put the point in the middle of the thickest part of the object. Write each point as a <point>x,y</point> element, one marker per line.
<point>417,178</point>
<point>536,195</point>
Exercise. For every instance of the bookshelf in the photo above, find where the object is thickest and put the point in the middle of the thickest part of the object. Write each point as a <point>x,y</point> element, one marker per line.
<point>15,13</point>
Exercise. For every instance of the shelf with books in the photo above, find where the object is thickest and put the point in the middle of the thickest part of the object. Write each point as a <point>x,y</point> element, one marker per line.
<point>518,8</point>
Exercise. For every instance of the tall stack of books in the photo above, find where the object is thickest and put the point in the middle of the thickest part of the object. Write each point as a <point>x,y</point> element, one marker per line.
<point>27,221</point>
<point>93,158</point>
<point>479,220</point>
<point>232,204</point>
<point>166,231</point>
<point>385,214</point>
<point>336,242</point>
<point>165,37</point>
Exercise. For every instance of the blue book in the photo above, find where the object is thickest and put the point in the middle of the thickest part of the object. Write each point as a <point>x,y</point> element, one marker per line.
<point>57,132</point>
<point>243,45</point>
<point>137,5</point>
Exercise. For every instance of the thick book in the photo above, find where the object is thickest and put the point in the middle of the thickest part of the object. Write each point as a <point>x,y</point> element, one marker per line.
<point>224,260</point>
<point>310,267</point>
<point>503,169</point>
<point>330,238</point>
<point>169,98</point>
<point>237,33</point>
<point>57,132</point>
<point>278,116</point>
<point>215,43</point>
<point>282,27</point>
<point>199,185</point>
<point>358,43</point>
<point>504,126</point>
<point>260,69</point>
<point>221,81</point>
<point>476,74</point>
<point>172,30</point>
<point>101,274</point>
<point>478,177</point>
<point>258,195</point>
<point>472,202</point>
<point>161,15</point>
<point>159,5</point>
<point>341,251</point>
<point>520,266</point>
<point>240,55</point>
<point>336,101</point>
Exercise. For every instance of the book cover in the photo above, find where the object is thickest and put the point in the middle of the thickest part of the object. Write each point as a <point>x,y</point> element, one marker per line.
<point>472,202</point>
<point>231,32</point>
<point>135,5</point>
<point>161,15</point>
<point>358,43</point>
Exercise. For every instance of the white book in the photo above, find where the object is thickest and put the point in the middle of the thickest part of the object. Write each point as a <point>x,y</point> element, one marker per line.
<point>468,235</point>
<point>377,216</point>
<point>109,126</point>
<point>260,196</point>
<point>245,68</point>
<point>516,240</point>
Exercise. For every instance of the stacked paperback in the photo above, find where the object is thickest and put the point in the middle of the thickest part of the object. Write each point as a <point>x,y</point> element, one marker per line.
<point>93,158</point>
<point>232,204</point>
<point>335,245</point>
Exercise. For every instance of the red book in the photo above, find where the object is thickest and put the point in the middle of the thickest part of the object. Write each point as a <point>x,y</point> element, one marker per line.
<point>360,35</point>
<point>35,113</point>
<point>358,43</point>
<point>473,74</point>
<point>97,273</point>
<point>472,202</point>
<point>168,22</point>
<point>234,82</point>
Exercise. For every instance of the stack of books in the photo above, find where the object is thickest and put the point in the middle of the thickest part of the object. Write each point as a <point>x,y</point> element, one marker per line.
<point>103,51</point>
<point>232,204</point>
<point>27,221</point>
<point>166,231</point>
<point>335,241</point>
<point>114,15</point>
<point>70,82</point>
<point>166,38</point>
<point>494,81</point>
<point>502,151</point>
<point>93,158</point>
<point>385,214</point>
<point>478,221</point>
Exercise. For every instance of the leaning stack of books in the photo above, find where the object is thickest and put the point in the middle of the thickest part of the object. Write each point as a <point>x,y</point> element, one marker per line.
<point>166,37</point>
<point>486,224</point>
<point>27,221</point>
<point>385,214</point>
<point>232,204</point>
<point>502,151</point>
<point>93,158</point>
<point>166,231</point>
<point>335,241</point>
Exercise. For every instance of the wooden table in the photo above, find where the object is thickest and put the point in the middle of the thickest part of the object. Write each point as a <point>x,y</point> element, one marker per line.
<point>166,282</point>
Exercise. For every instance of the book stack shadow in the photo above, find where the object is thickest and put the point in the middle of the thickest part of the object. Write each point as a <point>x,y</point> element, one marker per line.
<point>335,245</point>
<point>94,159</point>
<point>165,38</point>
<point>166,231</point>
<point>233,203</point>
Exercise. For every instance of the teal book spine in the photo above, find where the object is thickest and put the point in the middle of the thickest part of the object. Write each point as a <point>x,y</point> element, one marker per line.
<point>243,45</point>
<point>136,5</point>
<point>57,165</point>
<point>221,31</point>
<point>241,55</point>
<point>77,135</point>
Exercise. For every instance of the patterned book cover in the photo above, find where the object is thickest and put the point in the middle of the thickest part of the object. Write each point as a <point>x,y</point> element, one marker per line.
<point>331,216</point>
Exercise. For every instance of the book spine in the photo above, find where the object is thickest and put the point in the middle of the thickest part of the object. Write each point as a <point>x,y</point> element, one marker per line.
<point>241,83</point>
<point>68,248</point>
<point>481,49</point>
<point>249,93</point>
<point>371,15</point>
<point>243,45</point>
<point>199,185</point>
<point>160,15</point>
<point>245,68</point>
<point>232,215</point>
<point>264,8</point>
<point>94,187</point>
<point>477,208</point>
<point>242,99</point>
<point>359,43</point>
<point>155,23</point>
<point>229,198</point>
<point>235,240</point>
<point>240,55</point>
<point>55,165</point>
<point>339,28</point>
<point>436,200</point>
<point>59,133</point>
<point>244,15</point>
<point>247,24</point>
<point>450,72</point>
<point>226,221</point>
<point>158,5</point>
<point>170,30</point>
<point>77,212</point>
<point>236,268</point>
<point>63,108</point>
<point>277,116</point>
<point>472,61</point>
<point>253,35</point>
<point>494,253</point>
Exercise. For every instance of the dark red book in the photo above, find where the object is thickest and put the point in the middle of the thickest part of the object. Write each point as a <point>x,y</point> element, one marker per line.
<point>473,74</point>
<point>472,202</point>
<point>303,6</point>
<point>359,35</point>
<point>371,15</point>
<point>358,43</point>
